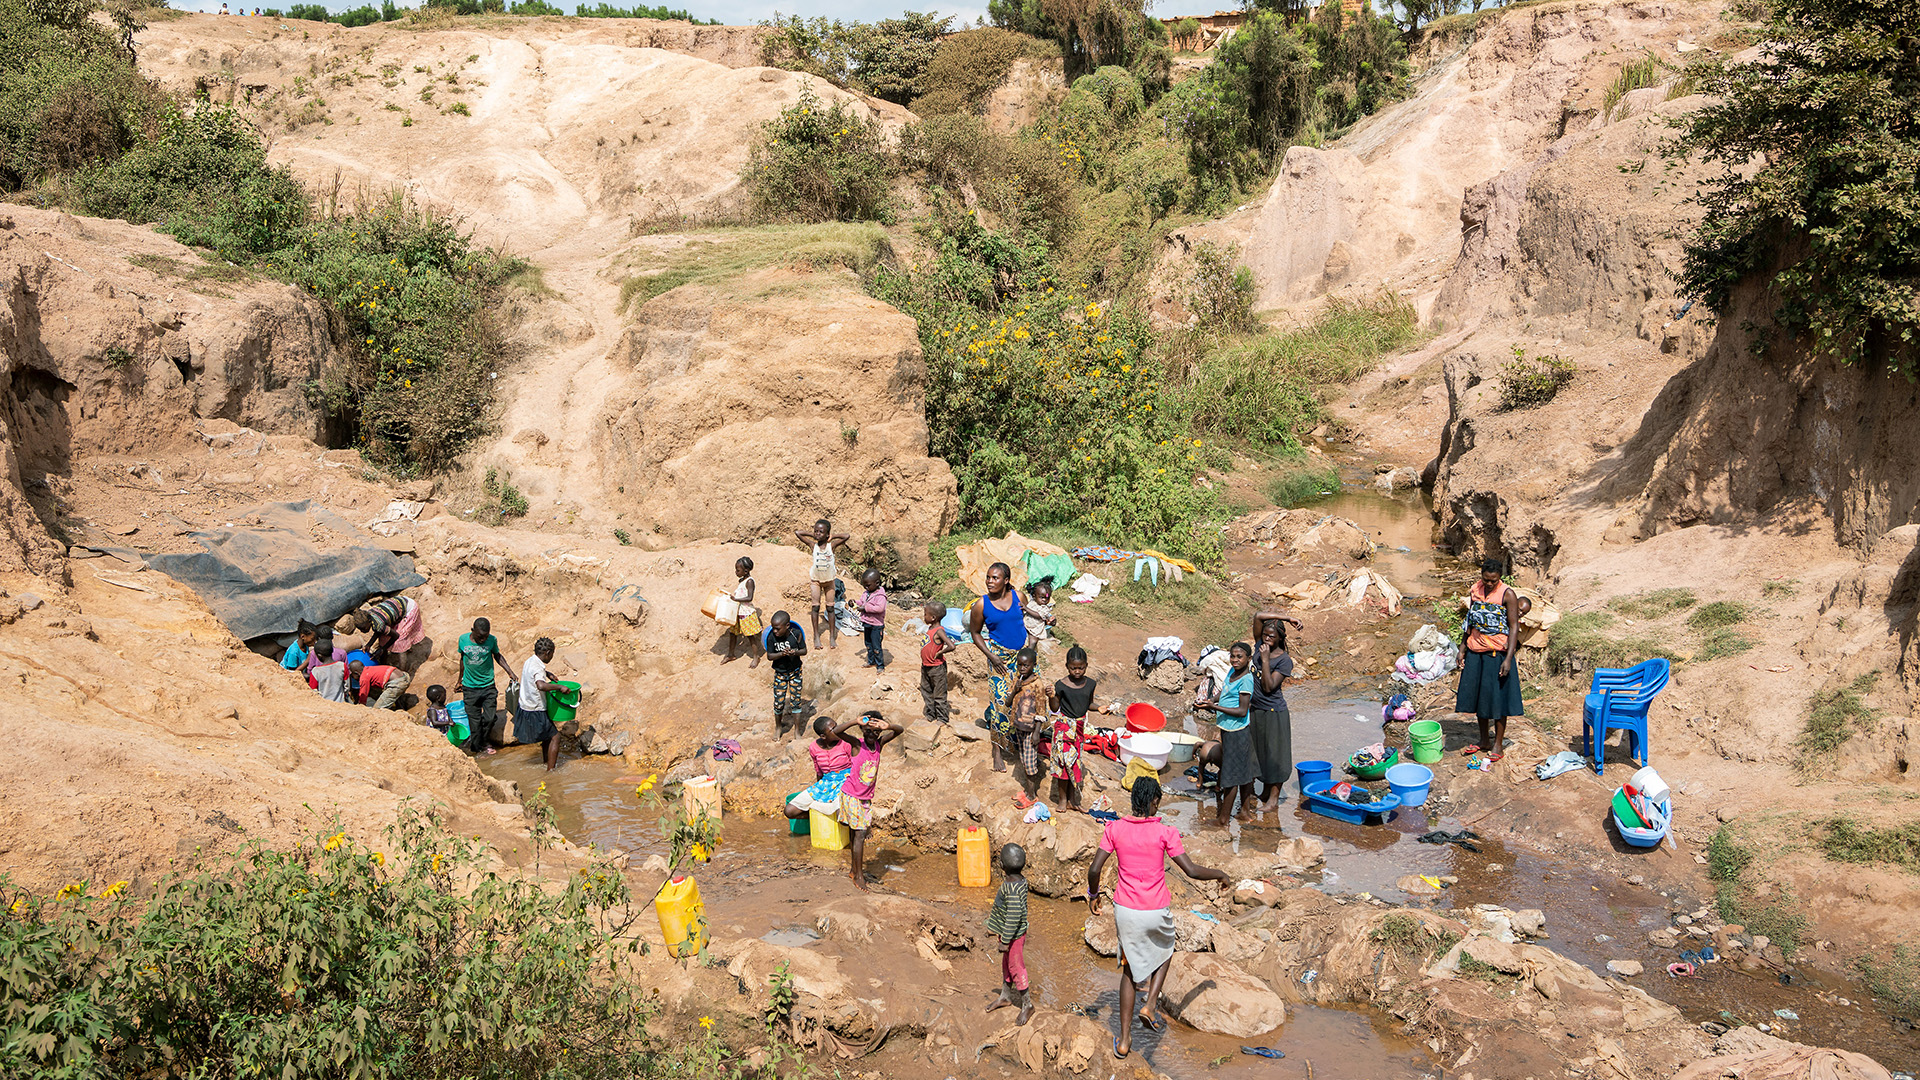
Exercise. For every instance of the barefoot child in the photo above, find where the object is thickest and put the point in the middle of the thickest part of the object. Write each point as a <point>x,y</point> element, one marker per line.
<point>531,724</point>
<point>933,663</point>
<point>1232,705</point>
<point>1029,709</point>
<point>747,625</point>
<point>785,644</point>
<point>1072,698</point>
<point>832,755</point>
<point>825,544</point>
<point>873,619</point>
<point>1008,921</point>
<point>856,794</point>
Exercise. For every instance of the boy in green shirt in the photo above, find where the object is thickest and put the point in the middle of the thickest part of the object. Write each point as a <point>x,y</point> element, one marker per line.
<point>479,651</point>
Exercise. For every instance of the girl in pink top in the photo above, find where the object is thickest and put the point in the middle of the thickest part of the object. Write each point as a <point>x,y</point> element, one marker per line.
<point>832,756</point>
<point>856,793</point>
<point>1142,903</point>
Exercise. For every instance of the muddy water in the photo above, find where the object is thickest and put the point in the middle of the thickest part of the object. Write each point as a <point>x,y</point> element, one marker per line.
<point>764,881</point>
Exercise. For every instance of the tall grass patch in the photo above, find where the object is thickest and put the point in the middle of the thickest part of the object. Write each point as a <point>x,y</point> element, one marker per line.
<point>1582,641</point>
<point>1297,481</point>
<point>1894,977</point>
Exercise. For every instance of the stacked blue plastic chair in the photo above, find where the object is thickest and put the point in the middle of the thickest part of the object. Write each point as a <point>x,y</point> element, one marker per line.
<point>1620,698</point>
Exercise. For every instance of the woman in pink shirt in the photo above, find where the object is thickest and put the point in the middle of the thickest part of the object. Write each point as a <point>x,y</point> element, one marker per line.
<point>1142,903</point>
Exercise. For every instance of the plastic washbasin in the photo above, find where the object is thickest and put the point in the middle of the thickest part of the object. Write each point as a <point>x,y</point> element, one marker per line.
<point>1410,782</point>
<point>1321,803</point>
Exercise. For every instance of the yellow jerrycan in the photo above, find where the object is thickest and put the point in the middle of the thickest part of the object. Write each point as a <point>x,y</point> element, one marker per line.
<point>683,920</point>
<point>976,863</point>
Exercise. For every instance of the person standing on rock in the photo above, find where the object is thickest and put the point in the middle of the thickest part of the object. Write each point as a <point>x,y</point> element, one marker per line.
<point>999,631</point>
<point>1490,672</point>
<point>1232,706</point>
<point>746,625</point>
<point>1071,700</point>
<point>825,544</point>
<point>479,652</point>
<point>1142,903</point>
<point>785,646</point>
<point>933,664</point>
<point>1271,724</point>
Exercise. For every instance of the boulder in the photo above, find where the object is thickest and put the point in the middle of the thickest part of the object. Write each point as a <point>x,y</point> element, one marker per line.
<point>1300,853</point>
<point>923,736</point>
<point>1208,993</point>
<point>1625,968</point>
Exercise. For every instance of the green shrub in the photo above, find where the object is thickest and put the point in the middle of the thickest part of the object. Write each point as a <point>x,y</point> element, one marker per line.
<point>329,960</point>
<point>1266,391</point>
<point>1653,603</point>
<point>504,501</point>
<point>1718,614</point>
<point>1219,291</point>
<point>888,59</point>
<point>820,163</point>
<point>1828,108</point>
<point>966,68</point>
<point>1833,716</point>
<point>1529,381</point>
<point>1847,840</point>
<point>1024,184</point>
<point>418,301</point>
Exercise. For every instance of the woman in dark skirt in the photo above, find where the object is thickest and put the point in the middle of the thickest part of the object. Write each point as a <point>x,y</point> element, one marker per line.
<point>1490,673</point>
<point>1271,725</point>
<point>1232,705</point>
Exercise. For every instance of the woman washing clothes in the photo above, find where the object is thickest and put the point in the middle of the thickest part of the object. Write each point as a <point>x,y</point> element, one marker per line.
<point>1142,904</point>
<point>999,631</point>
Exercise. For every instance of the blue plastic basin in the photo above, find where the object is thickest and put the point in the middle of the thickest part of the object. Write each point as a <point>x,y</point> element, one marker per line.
<point>1410,782</point>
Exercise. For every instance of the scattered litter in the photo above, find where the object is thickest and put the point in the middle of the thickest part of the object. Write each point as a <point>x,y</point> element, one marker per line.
<point>1478,763</point>
<point>1565,761</point>
<point>1038,812</point>
<point>1786,1014</point>
<point>1463,838</point>
<point>1603,937</point>
<point>1263,1051</point>
<point>1309,975</point>
<point>1210,918</point>
<point>896,869</point>
<point>1681,970</point>
<point>725,749</point>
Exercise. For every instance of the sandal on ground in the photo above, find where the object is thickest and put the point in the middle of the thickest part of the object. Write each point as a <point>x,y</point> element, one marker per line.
<point>1263,1051</point>
<point>1495,757</point>
<point>1469,751</point>
<point>1148,1022</point>
<point>1022,801</point>
<point>1117,1052</point>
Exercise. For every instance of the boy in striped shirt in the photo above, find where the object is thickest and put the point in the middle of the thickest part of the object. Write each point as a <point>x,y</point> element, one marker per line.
<point>1008,920</point>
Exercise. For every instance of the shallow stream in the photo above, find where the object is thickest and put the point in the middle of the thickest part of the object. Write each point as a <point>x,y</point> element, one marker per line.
<point>763,880</point>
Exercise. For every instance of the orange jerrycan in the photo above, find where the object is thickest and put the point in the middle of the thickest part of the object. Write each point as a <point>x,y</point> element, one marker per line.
<point>976,869</point>
<point>683,920</point>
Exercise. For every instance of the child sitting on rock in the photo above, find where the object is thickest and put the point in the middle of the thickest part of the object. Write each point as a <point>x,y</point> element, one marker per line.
<point>1008,922</point>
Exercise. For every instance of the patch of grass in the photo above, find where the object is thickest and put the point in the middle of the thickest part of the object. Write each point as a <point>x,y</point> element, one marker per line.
<point>1894,978</point>
<point>1728,863</point>
<point>1210,614</point>
<point>720,254</point>
<point>1579,643</point>
<point>503,499</point>
<point>1638,74</point>
<point>194,274</point>
<point>1403,934</point>
<point>116,357</point>
<point>1722,643</point>
<point>532,280</point>
<point>1653,604</point>
<point>1833,716</point>
<point>1847,840</point>
<point>625,537</point>
<point>1719,615</point>
<point>1301,482</point>
<point>1268,389</point>
<point>939,576</point>
<point>1776,588</point>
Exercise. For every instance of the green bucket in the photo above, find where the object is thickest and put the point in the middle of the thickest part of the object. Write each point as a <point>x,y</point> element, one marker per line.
<point>1426,741</point>
<point>564,704</point>
<point>457,733</point>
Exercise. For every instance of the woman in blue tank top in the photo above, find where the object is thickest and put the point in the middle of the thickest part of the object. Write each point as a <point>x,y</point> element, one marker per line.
<point>999,629</point>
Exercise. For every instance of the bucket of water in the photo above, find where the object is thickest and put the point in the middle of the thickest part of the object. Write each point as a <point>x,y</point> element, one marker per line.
<point>1313,771</point>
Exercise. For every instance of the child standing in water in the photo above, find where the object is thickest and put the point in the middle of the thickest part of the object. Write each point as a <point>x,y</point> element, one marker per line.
<point>1072,698</point>
<point>825,545</point>
<point>1008,922</point>
<point>856,795</point>
<point>873,619</point>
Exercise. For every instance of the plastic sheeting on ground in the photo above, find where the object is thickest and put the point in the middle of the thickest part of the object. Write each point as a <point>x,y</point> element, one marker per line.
<point>269,579</point>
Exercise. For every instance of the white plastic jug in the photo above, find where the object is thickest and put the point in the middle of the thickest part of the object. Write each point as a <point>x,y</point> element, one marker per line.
<point>1648,783</point>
